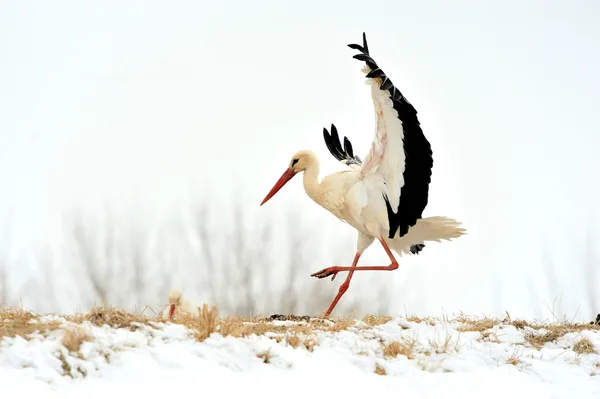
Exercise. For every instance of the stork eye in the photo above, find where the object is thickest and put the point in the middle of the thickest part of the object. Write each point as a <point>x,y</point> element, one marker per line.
<point>294,162</point>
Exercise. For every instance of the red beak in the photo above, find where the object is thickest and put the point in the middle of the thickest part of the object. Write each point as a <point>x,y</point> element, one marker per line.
<point>285,177</point>
<point>171,312</point>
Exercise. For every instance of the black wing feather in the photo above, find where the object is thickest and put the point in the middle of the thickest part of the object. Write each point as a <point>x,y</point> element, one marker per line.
<point>329,144</point>
<point>357,47</point>
<point>418,155</point>
<point>348,147</point>
<point>376,73</point>
<point>334,145</point>
<point>335,138</point>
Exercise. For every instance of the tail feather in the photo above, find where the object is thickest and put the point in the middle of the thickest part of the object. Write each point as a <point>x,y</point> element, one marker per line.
<point>435,228</point>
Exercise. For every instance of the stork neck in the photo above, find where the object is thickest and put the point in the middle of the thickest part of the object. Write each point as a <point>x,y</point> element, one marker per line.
<point>311,181</point>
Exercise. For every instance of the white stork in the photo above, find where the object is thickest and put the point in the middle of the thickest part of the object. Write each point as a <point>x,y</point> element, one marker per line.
<point>384,196</point>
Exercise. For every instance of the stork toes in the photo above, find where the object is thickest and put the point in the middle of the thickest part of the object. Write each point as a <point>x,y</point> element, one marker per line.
<point>328,271</point>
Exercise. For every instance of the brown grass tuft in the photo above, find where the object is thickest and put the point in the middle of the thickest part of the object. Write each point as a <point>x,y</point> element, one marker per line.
<point>553,332</point>
<point>583,346</point>
<point>513,359</point>
<point>539,340</point>
<point>265,356</point>
<point>380,370</point>
<point>520,324</point>
<point>416,319</point>
<point>202,323</point>
<point>239,327</point>
<point>537,334</point>
<point>445,345</point>
<point>490,336</point>
<point>207,321</point>
<point>18,322</point>
<point>395,348</point>
<point>341,324</point>
<point>73,338</point>
<point>310,344</point>
<point>479,325</point>
<point>113,317</point>
<point>66,368</point>
<point>373,320</point>
<point>233,326</point>
<point>293,340</point>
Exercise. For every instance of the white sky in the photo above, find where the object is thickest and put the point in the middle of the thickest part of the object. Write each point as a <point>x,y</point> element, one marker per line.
<point>150,105</point>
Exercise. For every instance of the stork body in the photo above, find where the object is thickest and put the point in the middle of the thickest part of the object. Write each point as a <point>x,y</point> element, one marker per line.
<point>384,197</point>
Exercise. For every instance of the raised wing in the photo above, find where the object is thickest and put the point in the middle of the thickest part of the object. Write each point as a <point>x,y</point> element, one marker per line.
<point>345,154</point>
<point>400,153</point>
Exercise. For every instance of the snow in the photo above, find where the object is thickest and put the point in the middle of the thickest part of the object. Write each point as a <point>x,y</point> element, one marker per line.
<point>165,359</point>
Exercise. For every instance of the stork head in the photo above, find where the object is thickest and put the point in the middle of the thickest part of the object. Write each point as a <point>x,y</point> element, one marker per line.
<point>299,163</point>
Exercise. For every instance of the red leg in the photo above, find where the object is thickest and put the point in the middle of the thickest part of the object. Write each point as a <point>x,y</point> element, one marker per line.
<point>336,269</point>
<point>344,286</point>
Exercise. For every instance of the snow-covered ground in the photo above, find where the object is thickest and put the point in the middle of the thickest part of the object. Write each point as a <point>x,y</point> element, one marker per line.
<point>437,360</point>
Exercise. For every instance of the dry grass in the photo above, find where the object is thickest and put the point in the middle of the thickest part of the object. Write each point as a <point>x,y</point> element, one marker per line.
<point>513,359</point>
<point>306,340</point>
<point>18,322</point>
<point>380,370</point>
<point>520,324</point>
<point>111,316</point>
<point>73,338</point>
<point>432,321</point>
<point>299,333</point>
<point>233,326</point>
<point>446,344</point>
<point>553,332</point>
<point>265,356</point>
<point>294,341</point>
<point>539,340</point>
<point>583,346</point>
<point>405,348</point>
<point>537,333</point>
<point>295,331</point>
<point>490,336</point>
<point>239,327</point>
<point>203,323</point>
<point>340,325</point>
<point>372,320</point>
<point>310,344</point>
<point>473,324</point>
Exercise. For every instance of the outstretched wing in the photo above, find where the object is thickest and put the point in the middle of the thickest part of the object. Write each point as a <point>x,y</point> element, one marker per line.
<point>345,154</point>
<point>400,154</point>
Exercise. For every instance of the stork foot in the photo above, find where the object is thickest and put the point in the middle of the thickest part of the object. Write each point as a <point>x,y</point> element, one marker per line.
<point>329,271</point>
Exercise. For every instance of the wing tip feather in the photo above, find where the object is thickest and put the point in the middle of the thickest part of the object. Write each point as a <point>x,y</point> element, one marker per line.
<point>344,154</point>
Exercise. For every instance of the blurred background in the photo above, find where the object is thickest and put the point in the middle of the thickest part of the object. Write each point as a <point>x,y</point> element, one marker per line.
<point>138,138</point>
